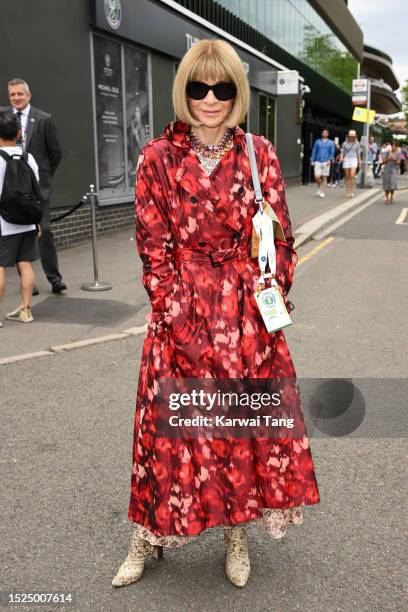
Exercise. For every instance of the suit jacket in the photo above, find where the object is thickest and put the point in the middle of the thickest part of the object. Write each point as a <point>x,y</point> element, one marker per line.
<point>42,142</point>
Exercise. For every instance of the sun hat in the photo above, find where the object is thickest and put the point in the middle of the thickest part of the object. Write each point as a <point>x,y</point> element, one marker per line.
<point>352,133</point>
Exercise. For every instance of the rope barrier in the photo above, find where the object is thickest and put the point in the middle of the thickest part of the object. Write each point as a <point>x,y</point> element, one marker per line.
<point>83,201</point>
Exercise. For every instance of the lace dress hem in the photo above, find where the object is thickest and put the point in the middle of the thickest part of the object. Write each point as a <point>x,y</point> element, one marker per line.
<point>274,520</point>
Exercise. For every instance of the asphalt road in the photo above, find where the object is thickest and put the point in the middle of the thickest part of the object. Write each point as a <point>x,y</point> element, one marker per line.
<point>66,438</point>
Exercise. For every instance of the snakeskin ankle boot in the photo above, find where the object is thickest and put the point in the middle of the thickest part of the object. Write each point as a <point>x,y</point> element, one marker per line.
<point>132,567</point>
<point>237,566</point>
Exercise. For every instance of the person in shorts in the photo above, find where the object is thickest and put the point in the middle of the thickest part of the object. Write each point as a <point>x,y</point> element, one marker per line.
<point>350,159</point>
<point>321,158</point>
<point>18,243</point>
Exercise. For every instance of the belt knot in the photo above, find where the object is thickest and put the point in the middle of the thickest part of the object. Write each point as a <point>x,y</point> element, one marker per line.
<point>214,258</point>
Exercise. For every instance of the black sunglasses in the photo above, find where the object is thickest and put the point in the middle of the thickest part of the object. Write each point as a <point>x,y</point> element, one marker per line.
<point>224,90</point>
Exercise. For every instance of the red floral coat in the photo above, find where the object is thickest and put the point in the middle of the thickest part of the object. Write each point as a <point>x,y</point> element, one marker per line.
<point>205,324</point>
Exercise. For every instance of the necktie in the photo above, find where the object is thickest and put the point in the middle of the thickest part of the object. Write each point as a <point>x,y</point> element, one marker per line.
<point>20,139</point>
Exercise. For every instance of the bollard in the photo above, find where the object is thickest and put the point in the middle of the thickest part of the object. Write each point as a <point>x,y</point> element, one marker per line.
<point>97,285</point>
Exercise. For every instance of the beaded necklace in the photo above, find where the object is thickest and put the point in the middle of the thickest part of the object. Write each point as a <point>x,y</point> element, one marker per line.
<point>210,155</point>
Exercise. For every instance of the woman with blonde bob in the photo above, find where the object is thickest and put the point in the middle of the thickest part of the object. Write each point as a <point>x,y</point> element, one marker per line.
<point>194,208</point>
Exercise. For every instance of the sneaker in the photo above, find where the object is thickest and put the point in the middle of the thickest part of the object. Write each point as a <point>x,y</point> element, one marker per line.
<point>1,324</point>
<point>318,192</point>
<point>322,194</point>
<point>23,316</point>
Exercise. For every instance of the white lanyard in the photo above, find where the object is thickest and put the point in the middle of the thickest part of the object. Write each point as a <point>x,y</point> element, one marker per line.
<point>261,222</point>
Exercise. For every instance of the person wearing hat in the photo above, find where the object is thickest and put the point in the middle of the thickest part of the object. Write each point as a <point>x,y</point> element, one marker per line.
<point>350,158</point>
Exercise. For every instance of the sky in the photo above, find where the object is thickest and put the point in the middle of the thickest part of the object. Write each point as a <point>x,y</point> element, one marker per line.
<point>385,26</point>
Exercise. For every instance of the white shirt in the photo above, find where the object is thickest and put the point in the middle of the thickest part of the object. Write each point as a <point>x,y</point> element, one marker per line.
<point>23,121</point>
<point>13,228</point>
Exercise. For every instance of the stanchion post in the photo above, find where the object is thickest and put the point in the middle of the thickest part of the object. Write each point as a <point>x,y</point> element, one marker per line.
<point>97,285</point>
<point>365,182</point>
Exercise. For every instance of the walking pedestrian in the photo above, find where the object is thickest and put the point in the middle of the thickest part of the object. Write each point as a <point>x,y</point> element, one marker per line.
<point>17,241</point>
<point>322,156</point>
<point>335,169</point>
<point>385,147</point>
<point>391,162</point>
<point>350,159</point>
<point>372,156</point>
<point>372,150</point>
<point>39,137</point>
<point>376,161</point>
<point>194,208</point>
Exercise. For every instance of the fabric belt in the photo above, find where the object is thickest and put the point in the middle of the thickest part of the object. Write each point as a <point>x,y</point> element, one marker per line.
<point>213,258</point>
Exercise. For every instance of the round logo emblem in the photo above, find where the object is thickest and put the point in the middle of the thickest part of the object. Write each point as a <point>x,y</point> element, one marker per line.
<point>113,13</point>
<point>268,299</point>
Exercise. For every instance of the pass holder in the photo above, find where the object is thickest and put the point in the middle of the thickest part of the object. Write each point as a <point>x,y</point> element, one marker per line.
<point>272,308</point>
<point>269,300</point>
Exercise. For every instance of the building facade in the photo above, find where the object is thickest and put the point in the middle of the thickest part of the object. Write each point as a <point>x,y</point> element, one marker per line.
<point>377,66</point>
<point>104,70</point>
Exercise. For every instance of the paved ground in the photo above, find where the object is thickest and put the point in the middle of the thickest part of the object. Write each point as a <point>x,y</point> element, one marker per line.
<point>67,435</point>
<point>65,488</point>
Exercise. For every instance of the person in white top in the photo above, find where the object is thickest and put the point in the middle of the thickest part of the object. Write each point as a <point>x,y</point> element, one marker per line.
<point>17,242</point>
<point>350,158</point>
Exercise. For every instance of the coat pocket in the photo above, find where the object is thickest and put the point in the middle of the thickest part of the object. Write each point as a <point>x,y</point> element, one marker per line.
<point>181,311</point>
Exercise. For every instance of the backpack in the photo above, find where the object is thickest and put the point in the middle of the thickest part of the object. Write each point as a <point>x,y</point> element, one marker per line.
<point>21,201</point>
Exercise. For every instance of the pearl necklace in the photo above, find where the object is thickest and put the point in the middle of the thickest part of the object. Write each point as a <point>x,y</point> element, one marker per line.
<point>210,155</point>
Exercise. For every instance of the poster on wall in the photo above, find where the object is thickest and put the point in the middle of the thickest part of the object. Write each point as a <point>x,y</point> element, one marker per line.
<point>109,118</point>
<point>137,108</point>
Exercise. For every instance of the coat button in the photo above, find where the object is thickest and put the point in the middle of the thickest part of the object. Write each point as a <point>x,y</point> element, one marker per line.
<point>202,243</point>
<point>237,235</point>
<point>241,190</point>
<point>193,199</point>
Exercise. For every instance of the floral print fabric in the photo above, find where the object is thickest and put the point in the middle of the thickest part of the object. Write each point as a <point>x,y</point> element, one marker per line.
<point>205,324</point>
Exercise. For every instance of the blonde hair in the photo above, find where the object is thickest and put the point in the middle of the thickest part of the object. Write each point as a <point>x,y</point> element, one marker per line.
<point>215,60</point>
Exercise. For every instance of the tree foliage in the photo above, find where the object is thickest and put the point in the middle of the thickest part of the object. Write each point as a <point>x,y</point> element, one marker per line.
<point>321,53</point>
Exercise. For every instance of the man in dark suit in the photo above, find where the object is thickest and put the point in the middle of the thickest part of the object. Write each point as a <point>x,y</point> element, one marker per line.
<point>39,137</point>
